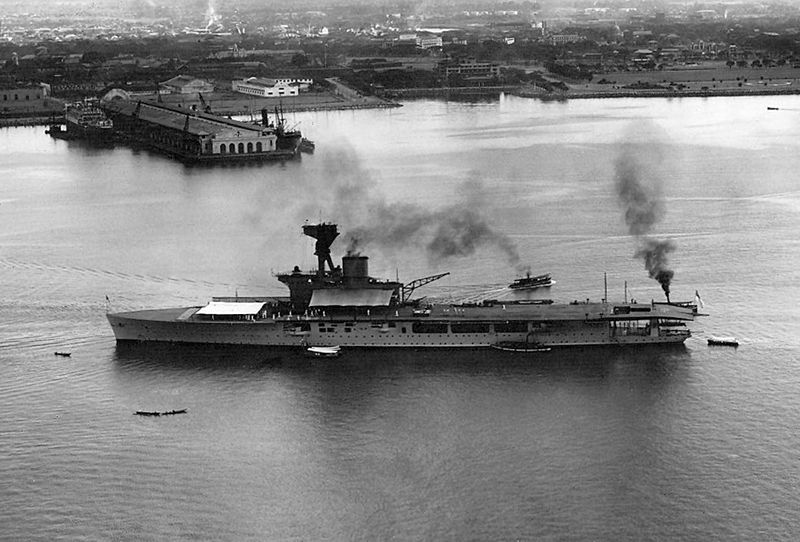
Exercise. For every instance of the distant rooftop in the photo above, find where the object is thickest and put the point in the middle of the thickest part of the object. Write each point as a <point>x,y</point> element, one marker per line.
<point>201,124</point>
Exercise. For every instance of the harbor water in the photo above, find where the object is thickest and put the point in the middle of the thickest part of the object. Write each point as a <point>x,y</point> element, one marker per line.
<point>694,442</point>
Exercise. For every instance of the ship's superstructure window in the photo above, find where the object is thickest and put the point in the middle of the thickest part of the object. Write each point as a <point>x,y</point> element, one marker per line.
<point>470,327</point>
<point>511,327</point>
<point>428,327</point>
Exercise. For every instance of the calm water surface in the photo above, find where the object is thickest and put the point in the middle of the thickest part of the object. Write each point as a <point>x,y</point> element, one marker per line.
<point>680,443</point>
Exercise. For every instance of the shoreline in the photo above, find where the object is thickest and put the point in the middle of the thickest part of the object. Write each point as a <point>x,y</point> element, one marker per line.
<point>656,93</point>
<point>465,93</point>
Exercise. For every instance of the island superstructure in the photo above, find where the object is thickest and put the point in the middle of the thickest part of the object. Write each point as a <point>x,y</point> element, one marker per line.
<point>343,305</point>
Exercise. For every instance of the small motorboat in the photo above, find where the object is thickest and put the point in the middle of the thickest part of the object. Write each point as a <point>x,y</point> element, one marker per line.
<point>307,146</point>
<point>63,354</point>
<point>156,413</point>
<point>324,351</point>
<point>523,347</point>
<point>723,341</point>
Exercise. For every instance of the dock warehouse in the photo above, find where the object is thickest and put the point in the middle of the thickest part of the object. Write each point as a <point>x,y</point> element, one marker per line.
<point>189,133</point>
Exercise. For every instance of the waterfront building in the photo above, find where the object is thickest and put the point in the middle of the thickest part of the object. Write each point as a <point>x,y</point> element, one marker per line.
<point>561,39</point>
<point>186,84</point>
<point>427,41</point>
<point>469,68</point>
<point>197,136</point>
<point>25,93</point>
<point>267,87</point>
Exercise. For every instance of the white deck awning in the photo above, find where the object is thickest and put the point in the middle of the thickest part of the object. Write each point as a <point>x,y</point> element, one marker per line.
<point>228,308</point>
<point>356,297</point>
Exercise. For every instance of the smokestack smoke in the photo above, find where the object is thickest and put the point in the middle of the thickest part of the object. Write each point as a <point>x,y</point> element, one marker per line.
<point>455,230</point>
<point>638,183</point>
<point>448,232</point>
<point>654,253</point>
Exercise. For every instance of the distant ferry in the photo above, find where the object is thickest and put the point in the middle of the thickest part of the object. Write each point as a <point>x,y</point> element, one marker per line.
<point>344,306</point>
<point>531,283</point>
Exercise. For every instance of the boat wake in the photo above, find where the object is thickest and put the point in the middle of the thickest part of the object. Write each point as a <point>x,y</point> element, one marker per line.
<point>10,263</point>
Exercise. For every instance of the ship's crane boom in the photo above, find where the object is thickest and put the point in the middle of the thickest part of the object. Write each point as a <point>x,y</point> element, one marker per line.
<point>206,107</point>
<point>409,288</point>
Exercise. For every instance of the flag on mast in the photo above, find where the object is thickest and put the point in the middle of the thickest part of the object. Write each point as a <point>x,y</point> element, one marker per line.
<point>698,300</point>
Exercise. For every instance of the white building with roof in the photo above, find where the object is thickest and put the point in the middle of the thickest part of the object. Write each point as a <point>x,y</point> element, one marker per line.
<point>186,84</point>
<point>269,87</point>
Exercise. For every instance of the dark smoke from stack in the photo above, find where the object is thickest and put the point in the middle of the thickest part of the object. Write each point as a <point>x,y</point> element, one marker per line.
<point>457,230</point>
<point>638,183</point>
<point>654,253</point>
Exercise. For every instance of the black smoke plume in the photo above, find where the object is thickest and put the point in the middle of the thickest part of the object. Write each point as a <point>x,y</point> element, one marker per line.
<point>452,231</point>
<point>455,230</point>
<point>638,183</point>
<point>654,253</point>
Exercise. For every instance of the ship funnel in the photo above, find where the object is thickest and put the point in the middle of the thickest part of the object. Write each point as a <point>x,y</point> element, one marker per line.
<point>325,234</point>
<point>355,268</point>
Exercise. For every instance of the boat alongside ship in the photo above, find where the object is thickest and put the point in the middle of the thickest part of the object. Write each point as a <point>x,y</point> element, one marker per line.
<point>343,305</point>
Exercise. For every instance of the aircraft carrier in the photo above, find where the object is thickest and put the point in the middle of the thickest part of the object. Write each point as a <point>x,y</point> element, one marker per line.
<point>344,306</point>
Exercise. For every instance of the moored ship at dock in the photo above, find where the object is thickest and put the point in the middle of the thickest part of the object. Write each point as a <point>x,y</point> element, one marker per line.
<point>345,306</point>
<point>84,120</point>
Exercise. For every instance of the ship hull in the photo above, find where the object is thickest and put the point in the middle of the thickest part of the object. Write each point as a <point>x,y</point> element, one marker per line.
<point>173,326</point>
<point>93,133</point>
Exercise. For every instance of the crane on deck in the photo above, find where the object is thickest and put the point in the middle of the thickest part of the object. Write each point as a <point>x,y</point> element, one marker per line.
<point>408,289</point>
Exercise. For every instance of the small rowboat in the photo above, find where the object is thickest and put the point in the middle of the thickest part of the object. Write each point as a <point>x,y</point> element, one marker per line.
<point>64,354</point>
<point>510,346</point>
<point>723,341</point>
<point>324,351</point>
<point>156,413</point>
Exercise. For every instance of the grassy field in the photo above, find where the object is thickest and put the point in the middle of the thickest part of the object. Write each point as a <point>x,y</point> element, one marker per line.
<point>711,76</point>
<point>232,103</point>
